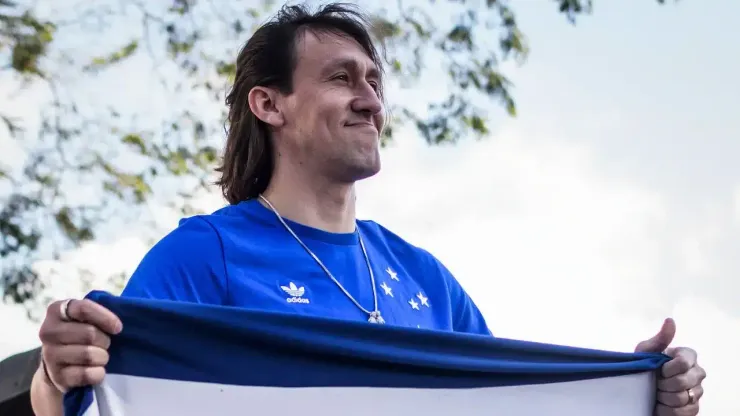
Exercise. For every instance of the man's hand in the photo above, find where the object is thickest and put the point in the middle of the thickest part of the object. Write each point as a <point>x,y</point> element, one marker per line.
<point>74,342</point>
<point>679,383</point>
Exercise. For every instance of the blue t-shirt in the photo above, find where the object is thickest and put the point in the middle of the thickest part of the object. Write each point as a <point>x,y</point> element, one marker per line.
<point>241,255</point>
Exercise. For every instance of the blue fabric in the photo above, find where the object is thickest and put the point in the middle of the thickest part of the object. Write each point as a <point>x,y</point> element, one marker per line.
<point>238,346</point>
<point>242,256</point>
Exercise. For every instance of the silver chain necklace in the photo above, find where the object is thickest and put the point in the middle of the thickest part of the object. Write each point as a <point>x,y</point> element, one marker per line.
<point>374,315</point>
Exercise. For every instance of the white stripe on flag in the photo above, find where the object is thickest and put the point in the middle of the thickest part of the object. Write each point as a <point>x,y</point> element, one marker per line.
<point>123,395</point>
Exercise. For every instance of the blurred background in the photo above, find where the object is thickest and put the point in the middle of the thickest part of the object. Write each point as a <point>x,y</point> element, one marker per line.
<point>574,164</point>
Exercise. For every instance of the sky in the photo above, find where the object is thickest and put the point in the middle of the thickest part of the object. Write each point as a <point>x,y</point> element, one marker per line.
<point>611,202</point>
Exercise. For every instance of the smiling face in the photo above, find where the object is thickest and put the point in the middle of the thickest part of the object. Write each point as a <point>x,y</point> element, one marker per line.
<point>331,121</point>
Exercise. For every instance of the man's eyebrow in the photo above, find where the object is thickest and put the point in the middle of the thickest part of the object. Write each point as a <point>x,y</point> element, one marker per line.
<point>350,64</point>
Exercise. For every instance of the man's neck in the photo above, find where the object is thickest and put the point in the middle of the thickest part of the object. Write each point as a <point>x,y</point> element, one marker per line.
<point>318,204</point>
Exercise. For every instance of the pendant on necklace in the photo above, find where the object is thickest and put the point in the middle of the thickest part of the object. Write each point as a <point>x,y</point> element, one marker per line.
<point>375,318</point>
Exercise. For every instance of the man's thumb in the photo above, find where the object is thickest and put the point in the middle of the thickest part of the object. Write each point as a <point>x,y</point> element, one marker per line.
<point>661,341</point>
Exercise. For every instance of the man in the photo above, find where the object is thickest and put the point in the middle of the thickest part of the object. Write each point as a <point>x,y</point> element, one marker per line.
<point>306,112</point>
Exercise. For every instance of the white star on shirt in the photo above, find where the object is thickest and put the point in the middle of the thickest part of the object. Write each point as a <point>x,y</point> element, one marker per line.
<point>413,304</point>
<point>387,289</point>
<point>392,274</point>
<point>423,299</point>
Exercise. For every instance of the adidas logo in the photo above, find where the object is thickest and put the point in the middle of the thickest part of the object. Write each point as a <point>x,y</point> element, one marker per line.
<point>296,293</point>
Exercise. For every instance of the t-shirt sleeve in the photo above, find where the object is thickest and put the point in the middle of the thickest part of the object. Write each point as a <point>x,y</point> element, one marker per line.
<point>466,317</point>
<point>186,265</point>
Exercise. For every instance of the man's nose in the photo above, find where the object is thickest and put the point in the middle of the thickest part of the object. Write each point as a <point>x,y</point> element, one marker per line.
<point>367,101</point>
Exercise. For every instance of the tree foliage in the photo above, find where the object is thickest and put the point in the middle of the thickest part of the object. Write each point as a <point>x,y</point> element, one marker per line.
<point>78,172</point>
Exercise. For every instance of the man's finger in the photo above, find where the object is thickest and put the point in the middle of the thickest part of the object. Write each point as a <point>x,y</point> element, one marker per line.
<point>683,360</point>
<point>76,376</point>
<point>76,355</point>
<point>74,333</point>
<point>661,340</point>
<point>87,311</point>
<point>681,382</point>
<point>690,410</point>
<point>679,399</point>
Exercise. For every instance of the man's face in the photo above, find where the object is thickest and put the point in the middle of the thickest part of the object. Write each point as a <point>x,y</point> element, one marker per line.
<point>334,115</point>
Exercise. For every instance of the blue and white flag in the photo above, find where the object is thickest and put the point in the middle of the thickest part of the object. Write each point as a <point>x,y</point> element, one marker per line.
<point>188,359</point>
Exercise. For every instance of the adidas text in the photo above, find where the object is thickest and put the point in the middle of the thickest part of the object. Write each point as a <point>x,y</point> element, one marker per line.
<point>298,300</point>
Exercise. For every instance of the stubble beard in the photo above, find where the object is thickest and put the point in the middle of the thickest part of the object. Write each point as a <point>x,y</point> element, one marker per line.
<point>354,168</point>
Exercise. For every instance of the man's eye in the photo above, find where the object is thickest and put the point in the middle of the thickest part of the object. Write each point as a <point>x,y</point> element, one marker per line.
<point>342,77</point>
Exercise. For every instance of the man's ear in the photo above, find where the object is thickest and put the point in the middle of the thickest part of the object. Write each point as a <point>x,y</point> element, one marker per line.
<point>263,103</point>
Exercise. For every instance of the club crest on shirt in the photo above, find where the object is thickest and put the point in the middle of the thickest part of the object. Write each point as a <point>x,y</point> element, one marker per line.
<point>295,293</point>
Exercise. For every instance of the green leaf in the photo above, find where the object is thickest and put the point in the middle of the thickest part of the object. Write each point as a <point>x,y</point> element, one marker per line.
<point>226,69</point>
<point>206,157</point>
<point>114,57</point>
<point>136,142</point>
<point>384,29</point>
<point>74,232</point>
